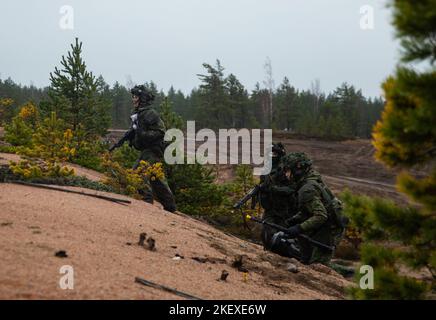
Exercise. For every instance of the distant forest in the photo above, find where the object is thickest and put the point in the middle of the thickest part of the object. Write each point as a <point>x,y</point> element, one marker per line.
<point>221,101</point>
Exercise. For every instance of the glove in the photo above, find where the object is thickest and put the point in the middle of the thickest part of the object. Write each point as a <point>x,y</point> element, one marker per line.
<point>276,239</point>
<point>294,231</point>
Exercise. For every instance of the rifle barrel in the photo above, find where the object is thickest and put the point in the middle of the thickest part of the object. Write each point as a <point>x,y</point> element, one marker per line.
<point>283,229</point>
<point>253,191</point>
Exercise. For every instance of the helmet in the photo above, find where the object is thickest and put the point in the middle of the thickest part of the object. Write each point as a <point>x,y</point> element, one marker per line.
<point>278,149</point>
<point>145,96</point>
<point>299,163</point>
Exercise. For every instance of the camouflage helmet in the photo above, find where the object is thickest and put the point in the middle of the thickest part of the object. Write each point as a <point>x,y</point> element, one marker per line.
<point>145,96</point>
<point>279,149</point>
<point>297,160</point>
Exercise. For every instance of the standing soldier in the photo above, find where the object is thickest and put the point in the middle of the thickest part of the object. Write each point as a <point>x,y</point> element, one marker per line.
<point>319,214</point>
<point>146,135</point>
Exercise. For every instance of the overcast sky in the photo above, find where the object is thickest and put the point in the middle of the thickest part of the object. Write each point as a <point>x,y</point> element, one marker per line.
<point>168,40</point>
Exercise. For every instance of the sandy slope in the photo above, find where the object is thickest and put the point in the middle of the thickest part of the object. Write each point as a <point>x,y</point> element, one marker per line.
<point>100,238</point>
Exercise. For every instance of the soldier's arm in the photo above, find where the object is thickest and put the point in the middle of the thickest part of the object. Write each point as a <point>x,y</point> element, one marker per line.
<point>128,135</point>
<point>153,135</point>
<point>155,130</point>
<point>310,201</point>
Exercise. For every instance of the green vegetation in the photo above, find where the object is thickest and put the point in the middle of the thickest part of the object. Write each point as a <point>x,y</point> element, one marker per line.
<point>399,240</point>
<point>76,96</point>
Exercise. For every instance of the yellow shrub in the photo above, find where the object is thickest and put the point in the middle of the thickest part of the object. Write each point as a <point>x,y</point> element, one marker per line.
<point>31,169</point>
<point>129,180</point>
<point>28,111</point>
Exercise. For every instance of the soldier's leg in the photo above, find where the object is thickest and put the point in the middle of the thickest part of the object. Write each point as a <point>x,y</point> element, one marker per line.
<point>346,271</point>
<point>159,187</point>
<point>267,232</point>
<point>306,251</point>
<point>146,193</point>
<point>163,194</point>
<point>320,255</point>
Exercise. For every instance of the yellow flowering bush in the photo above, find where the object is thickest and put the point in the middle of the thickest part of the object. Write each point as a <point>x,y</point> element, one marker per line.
<point>19,131</point>
<point>129,181</point>
<point>31,169</point>
<point>29,113</point>
<point>51,141</point>
<point>50,146</point>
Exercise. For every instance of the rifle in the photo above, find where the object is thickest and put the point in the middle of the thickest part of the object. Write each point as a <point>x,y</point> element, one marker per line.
<point>128,136</point>
<point>250,195</point>
<point>284,230</point>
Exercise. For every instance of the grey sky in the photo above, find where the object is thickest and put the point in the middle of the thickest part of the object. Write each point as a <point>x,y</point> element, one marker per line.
<point>168,40</point>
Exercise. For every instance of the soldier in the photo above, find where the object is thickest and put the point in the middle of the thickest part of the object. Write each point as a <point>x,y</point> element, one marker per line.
<point>146,135</point>
<point>319,214</point>
<point>276,198</point>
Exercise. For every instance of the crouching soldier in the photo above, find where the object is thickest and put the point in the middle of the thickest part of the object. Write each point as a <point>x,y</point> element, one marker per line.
<point>276,198</point>
<point>146,135</point>
<point>319,215</point>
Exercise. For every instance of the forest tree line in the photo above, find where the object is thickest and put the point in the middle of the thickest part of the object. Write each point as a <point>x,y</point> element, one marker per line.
<point>222,101</point>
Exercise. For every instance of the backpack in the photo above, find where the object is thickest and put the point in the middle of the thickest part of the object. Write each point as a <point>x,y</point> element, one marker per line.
<point>333,205</point>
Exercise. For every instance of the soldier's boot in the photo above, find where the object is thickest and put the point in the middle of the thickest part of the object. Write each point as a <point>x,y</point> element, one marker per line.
<point>345,271</point>
<point>147,195</point>
<point>164,195</point>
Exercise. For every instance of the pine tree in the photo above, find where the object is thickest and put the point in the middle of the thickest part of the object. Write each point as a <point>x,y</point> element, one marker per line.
<point>238,102</point>
<point>260,101</point>
<point>121,106</point>
<point>169,117</point>
<point>75,95</point>
<point>405,137</point>
<point>214,111</point>
<point>284,111</point>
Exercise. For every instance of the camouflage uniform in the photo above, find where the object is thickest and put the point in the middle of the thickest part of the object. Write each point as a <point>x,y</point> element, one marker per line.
<point>319,214</point>
<point>277,200</point>
<point>148,139</point>
<point>146,135</point>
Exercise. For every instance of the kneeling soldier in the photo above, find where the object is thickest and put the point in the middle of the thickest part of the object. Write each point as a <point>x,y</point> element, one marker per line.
<point>319,213</point>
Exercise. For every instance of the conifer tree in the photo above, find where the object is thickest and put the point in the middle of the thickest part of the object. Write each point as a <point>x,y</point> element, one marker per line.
<point>74,95</point>
<point>214,110</point>
<point>405,137</point>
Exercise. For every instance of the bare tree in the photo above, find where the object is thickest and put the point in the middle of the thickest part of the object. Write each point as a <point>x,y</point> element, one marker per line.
<point>269,84</point>
<point>315,88</point>
<point>129,82</point>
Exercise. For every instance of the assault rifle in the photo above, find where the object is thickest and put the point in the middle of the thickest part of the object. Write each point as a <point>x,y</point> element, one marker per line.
<point>128,136</point>
<point>252,194</point>
<point>284,230</point>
